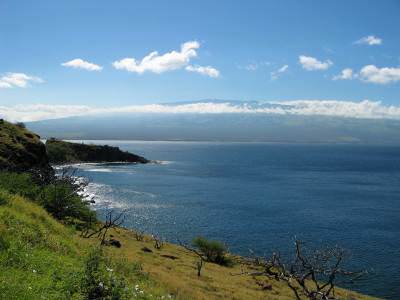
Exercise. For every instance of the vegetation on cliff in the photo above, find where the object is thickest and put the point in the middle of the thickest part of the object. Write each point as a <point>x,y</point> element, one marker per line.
<point>43,258</point>
<point>21,149</point>
<point>60,152</point>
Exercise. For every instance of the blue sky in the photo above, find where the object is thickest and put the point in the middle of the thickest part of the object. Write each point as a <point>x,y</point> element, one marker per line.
<point>252,50</point>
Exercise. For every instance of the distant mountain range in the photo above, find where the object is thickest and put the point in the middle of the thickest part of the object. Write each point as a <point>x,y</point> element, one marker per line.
<point>244,124</point>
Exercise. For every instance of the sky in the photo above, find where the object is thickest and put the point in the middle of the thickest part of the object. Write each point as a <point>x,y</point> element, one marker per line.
<point>115,54</point>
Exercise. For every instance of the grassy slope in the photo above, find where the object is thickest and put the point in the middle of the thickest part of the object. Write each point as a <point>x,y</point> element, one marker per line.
<point>42,259</point>
<point>20,146</point>
<point>37,253</point>
<point>11,135</point>
<point>216,282</point>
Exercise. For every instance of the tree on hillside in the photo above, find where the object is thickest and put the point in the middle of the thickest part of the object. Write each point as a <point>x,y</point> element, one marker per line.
<point>312,274</point>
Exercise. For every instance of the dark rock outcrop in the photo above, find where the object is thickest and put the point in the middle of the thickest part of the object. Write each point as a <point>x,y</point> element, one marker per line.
<point>60,152</point>
<point>21,150</point>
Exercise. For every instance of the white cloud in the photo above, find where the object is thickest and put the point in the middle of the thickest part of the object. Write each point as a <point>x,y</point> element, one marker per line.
<point>373,74</point>
<point>346,74</point>
<point>208,70</point>
<point>334,108</point>
<point>35,112</point>
<point>254,66</point>
<point>251,67</point>
<point>369,40</point>
<point>276,74</point>
<point>21,80</point>
<point>156,63</point>
<point>312,64</point>
<point>78,63</point>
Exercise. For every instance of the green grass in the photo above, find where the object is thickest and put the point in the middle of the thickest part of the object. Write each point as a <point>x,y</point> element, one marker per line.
<point>20,149</point>
<point>41,258</point>
<point>14,137</point>
<point>38,257</point>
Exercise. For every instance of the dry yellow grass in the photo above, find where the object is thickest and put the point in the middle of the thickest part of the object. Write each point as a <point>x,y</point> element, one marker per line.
<point>179,276</point>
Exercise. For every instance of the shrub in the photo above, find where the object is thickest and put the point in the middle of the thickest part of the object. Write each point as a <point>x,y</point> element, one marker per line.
<point>3,198</point>
<point>214,251</point>
<point>99,281</point>
<point>60,200</point>
<point>21,125</point>
<point>59,154</point>
<point>19,183</point>
<point>4,244</point>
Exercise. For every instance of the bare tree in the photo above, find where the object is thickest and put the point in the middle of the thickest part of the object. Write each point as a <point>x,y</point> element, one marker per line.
<point>313,274</point>
<point>112,221</point>
<point>202,259</point>
<point>158,242</point>
<point>139,235</point>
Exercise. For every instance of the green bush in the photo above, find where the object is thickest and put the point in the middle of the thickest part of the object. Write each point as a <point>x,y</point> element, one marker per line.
<point>19,183</point>
<point>20,125</point>
<point>99,280</point>
<point>58,197</point>
<point>4,244</point>
<point>60,200</point>
<point>3,199</point>
<point>214,251</point>
<point>58,153</point>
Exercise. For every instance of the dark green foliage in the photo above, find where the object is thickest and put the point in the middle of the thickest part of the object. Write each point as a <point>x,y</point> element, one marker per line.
<point>59,153</point>
<point>21,149</point>
<point>21,184</point>
<point>214,251</point>
<point>99,280</point>
<point>65,152</point>
<point>20,125</point>
<point>59,197</point>
<point>60,200</point>
<point>3,199</point>
<point>4,244</point>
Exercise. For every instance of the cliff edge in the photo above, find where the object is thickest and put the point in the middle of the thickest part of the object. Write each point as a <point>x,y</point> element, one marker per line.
<point>21,149</point>
<point>60,152</point>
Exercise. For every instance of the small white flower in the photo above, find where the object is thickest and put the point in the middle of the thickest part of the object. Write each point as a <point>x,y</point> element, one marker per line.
<point>34,271</point>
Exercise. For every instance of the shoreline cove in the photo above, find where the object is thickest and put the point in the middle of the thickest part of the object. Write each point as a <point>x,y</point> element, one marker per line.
<point>211,185</point>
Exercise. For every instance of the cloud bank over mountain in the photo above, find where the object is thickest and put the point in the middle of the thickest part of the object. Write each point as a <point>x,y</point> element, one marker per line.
<point>365,109</point>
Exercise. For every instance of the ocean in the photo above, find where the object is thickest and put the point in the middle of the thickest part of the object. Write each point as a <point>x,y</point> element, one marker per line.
<point>263,196</point>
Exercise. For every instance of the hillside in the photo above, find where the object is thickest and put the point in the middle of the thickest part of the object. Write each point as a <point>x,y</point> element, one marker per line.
<point>40,258</point>
<point>66,152</point>
<point>21,149</point>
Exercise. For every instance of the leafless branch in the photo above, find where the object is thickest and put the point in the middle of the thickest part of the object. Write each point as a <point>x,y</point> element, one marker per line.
<point>112,221</point>
<point>202,259</point>
<point>311,274</point>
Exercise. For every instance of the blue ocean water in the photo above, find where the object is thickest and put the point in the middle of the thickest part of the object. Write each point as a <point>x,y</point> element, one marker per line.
<point>261,196</point>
